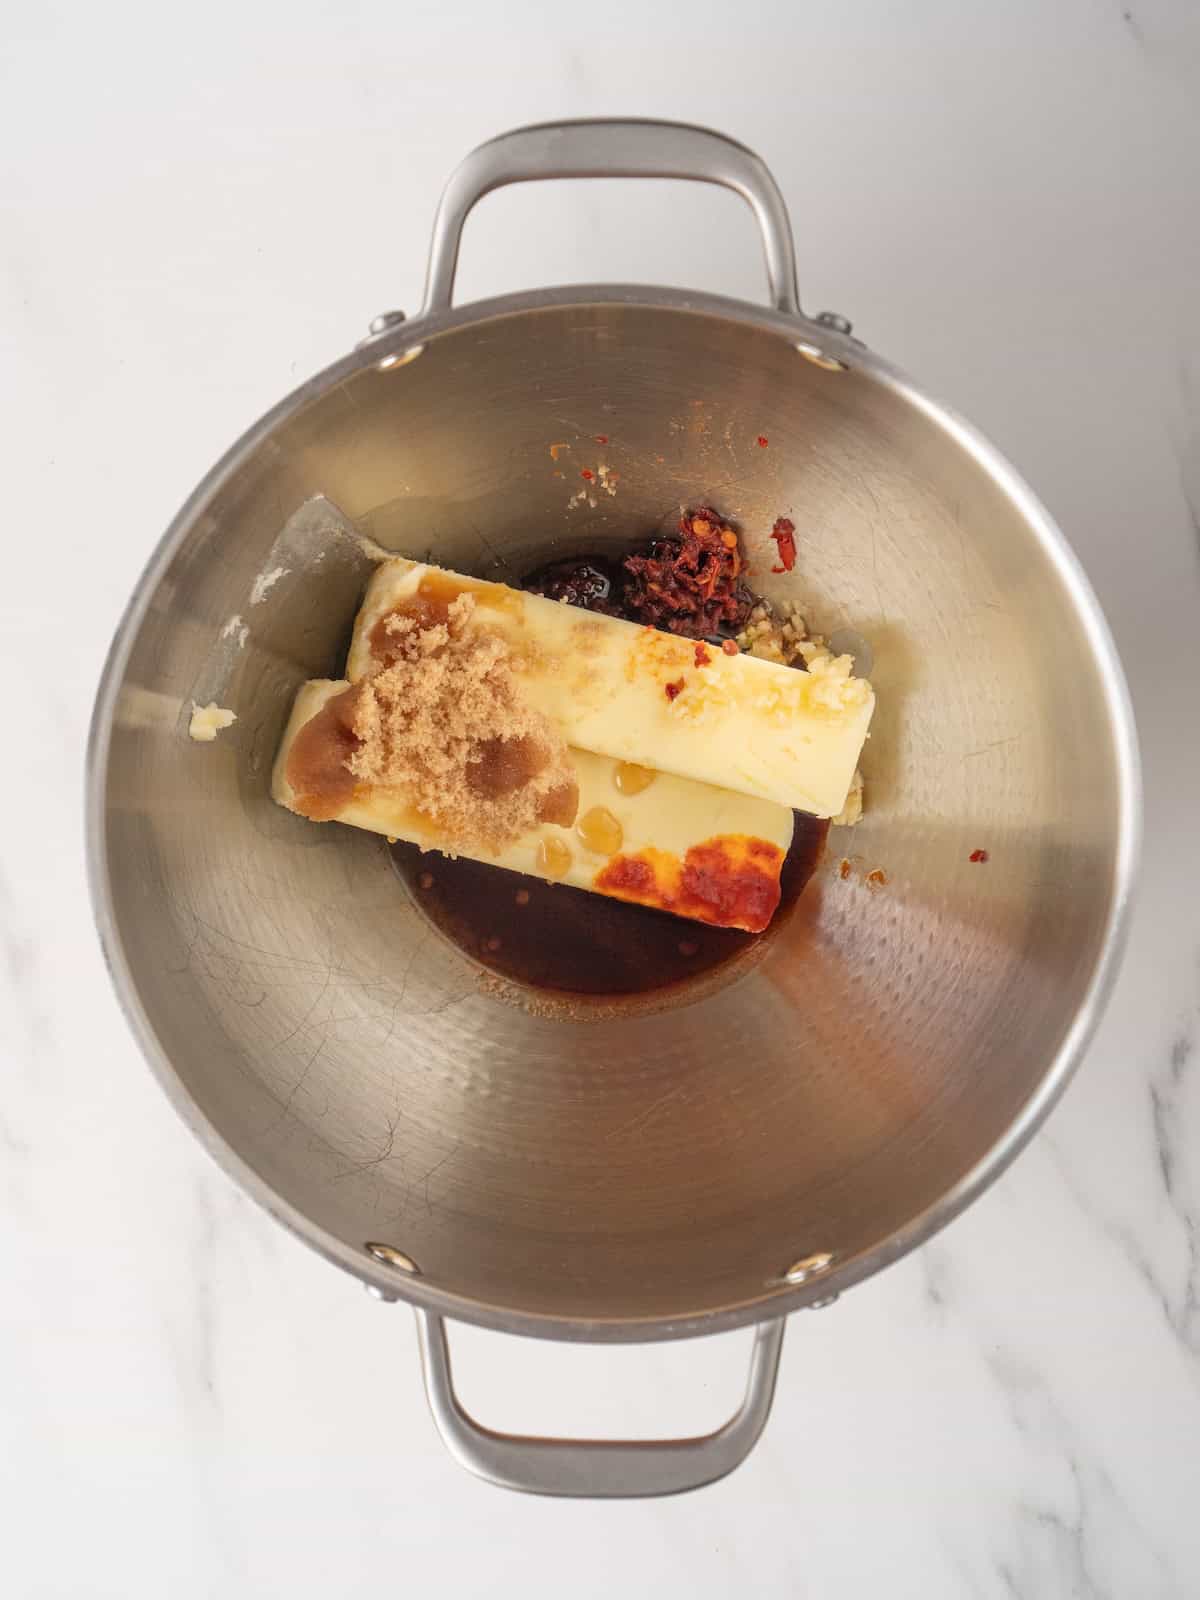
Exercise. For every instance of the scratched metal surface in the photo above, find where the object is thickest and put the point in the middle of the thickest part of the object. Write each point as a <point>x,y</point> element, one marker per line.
<point>658,1166</point>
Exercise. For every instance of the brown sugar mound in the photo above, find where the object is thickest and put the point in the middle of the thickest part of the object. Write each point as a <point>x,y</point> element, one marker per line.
<point>443,722</point>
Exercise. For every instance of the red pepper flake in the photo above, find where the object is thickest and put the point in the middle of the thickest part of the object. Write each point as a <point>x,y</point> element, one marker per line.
<point>784,535</point>
<point>876,878</point>
<point>587,474</point>
<point>673,690</point>
<point>730,647</point>
<point>600,438</point>
<point>978,855</point>
<point>702,655</point>
<point>763,441</point>
<point>689,584</point>
<point>843,868</point>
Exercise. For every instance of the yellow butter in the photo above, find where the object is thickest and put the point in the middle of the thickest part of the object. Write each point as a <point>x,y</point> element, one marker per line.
<point>640,695</point>
<point>660,824</point>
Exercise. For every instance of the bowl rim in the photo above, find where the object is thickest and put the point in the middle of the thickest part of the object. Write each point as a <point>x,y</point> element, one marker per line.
<point>771,1302</point>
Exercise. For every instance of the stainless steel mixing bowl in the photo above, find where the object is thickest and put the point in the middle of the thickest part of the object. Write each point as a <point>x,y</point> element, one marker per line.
<point>638,1176</point>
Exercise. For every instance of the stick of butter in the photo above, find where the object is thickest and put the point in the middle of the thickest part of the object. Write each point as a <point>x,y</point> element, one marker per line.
<point>649,837</point>
<point>639,695</point>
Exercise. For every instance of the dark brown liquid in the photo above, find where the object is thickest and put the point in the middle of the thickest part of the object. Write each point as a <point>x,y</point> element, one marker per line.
<point>551,936</point>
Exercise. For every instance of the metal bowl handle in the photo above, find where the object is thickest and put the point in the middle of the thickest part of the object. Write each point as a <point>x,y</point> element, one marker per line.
<point>616,148</point>
<point>597,1468</point>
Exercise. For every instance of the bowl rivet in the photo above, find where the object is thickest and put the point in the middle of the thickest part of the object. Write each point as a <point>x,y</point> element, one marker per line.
<point>836,321</point>
<point>808,1267</point>
<point>391,1257</point>
<point>399,358</point>
<point>814,353</point>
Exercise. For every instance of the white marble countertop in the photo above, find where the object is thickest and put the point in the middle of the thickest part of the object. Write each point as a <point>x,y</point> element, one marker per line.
<point>201,208</point>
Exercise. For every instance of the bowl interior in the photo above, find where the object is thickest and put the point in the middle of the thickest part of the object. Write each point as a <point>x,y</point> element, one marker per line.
<point>643,1167</point>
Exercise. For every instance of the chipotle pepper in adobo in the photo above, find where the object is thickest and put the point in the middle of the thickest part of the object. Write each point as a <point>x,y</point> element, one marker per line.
<point>690,585</point>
